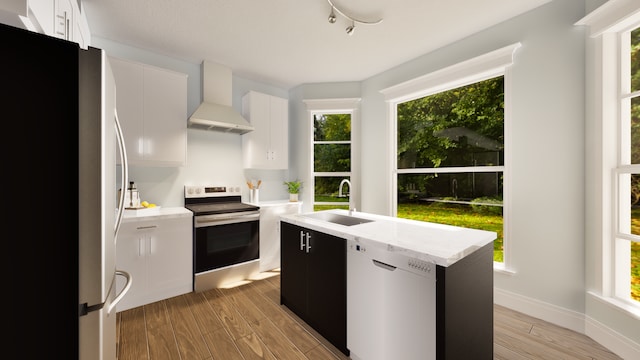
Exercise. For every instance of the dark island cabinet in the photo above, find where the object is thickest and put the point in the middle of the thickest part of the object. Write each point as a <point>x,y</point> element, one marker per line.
<point>313,281</point>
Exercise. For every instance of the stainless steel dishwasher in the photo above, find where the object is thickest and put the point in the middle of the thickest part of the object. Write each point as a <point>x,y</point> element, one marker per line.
<point>391,305</point>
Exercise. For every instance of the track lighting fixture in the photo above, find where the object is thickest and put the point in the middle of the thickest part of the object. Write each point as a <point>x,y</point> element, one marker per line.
<point>332,16</point>
<point>350,28</point>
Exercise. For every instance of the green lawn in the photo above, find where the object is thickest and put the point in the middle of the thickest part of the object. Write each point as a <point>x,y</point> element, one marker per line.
<point>457,215</point>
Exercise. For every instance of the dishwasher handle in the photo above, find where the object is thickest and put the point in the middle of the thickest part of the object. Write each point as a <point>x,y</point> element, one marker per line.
<point>383,265</point>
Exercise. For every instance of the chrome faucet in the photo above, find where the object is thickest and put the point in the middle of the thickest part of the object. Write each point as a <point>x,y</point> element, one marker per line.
<point>340,194</point>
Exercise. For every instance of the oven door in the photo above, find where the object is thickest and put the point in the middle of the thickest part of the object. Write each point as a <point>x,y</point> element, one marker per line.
<point>225,239</point>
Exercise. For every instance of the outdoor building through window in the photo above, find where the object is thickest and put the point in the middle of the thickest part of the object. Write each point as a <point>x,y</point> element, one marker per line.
<point>450,158</point>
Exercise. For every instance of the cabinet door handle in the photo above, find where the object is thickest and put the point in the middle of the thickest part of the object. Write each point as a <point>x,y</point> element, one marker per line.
<point>151,243</point>
<point>301,240</point>
<point>308,242</point>
<point>147,227</point>
<point>68,27</point>
<point>141,246</point>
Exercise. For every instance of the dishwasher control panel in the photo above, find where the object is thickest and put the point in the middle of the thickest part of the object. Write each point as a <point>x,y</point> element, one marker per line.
<point>420,265</point>
<point>393,259</point>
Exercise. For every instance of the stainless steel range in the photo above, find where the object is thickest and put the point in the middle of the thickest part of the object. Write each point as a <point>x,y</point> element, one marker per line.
<point>226,236</point>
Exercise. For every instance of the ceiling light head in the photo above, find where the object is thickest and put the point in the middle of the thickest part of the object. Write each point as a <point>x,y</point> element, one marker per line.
<point>350,28</point>
<point>332,16</point>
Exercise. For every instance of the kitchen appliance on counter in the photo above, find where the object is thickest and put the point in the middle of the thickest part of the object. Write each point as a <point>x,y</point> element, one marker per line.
<point>131,197</point>
<point>226,235</point>
<point>63,99</point>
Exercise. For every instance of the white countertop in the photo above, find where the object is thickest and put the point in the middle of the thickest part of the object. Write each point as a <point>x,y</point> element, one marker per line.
<point>436,243</point>
<point>158,212</point>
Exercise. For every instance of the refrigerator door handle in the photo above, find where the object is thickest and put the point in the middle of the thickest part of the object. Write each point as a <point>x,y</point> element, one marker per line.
<point>85,308</point>
<point>124,290</point>
<point>125,171</point>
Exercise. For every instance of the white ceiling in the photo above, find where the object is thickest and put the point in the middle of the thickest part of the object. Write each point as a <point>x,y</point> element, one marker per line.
<point>286,43</point>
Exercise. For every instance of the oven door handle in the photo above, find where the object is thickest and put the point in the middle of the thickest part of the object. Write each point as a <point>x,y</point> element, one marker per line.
<point>213,220</point>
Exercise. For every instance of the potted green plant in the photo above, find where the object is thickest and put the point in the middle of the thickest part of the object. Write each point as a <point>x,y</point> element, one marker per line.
<point>293,187</point>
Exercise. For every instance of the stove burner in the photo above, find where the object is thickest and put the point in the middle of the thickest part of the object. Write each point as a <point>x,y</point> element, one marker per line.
<point>210,200</point>
<point>220,208</point>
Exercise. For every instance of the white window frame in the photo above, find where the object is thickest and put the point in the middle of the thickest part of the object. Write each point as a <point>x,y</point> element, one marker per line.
<point>608,28</point>
<point>333,106</point>
<point>487,66</point>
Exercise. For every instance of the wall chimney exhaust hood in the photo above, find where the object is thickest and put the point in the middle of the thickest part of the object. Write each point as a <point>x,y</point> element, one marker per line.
<point>215,113</point>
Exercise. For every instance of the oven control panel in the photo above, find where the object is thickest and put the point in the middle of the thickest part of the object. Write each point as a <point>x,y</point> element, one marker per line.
<point>200,191</point>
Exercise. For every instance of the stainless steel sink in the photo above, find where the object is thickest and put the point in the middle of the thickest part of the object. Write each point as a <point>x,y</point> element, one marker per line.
<point>337,218</point>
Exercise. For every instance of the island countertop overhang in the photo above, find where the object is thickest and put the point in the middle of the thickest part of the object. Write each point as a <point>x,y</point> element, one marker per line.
<point>440,244</point>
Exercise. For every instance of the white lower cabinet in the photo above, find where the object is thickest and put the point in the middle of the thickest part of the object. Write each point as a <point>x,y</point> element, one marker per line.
<point>157,253</point>
<point>270,230</point>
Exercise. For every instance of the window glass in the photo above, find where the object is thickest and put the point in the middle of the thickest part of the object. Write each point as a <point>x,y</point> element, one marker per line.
<point>327,190</point>
<point>635,130</point>
<point>458,127</point>
<point>332,127</point>
<point>635,60</point>
<point>331,157</point>
<point>635,205</point>
<point>629,250</point>
<point>472,200</point>
<point>331,160</point>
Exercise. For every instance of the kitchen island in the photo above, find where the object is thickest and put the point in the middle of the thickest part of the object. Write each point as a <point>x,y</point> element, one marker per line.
<point>427,293</point>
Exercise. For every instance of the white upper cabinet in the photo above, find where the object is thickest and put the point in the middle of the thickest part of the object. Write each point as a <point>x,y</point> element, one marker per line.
<point>63,19</point>
<point>266,147</point>
<point>152,109</point>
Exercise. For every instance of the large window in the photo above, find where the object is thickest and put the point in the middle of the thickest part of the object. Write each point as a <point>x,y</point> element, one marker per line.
<point>331,160</point>
<point>614,108</point>
<point>451,130</point>
<point>332,122</point>
<point>450,158</point>
<point>627,242</point>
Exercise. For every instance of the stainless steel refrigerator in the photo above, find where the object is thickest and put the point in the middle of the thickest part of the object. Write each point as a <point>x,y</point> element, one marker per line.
<point>58,108</point>
<point>98,220</point>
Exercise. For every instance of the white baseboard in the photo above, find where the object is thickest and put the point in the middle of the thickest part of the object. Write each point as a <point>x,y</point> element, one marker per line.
<point>554,314</point>
<point>612,340</point>
<point>617,343</point>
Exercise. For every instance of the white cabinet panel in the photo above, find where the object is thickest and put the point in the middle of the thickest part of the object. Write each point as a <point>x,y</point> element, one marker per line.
<point>165,109</point>
<point>270,231</point>
<point>158,255</point>
<point>152,107</point>
<point>266,147</point>
<point>58,18</point>
<point>63,22</point>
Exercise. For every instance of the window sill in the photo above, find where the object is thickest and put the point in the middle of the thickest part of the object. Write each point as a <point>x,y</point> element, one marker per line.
<point>626,307</point>
<point>499,267</point>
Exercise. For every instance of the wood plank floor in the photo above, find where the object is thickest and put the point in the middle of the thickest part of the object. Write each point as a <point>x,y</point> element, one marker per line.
<point>247,322</point>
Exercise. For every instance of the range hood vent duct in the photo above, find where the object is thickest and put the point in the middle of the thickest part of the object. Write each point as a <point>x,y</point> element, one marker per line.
<point>215,113</point>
